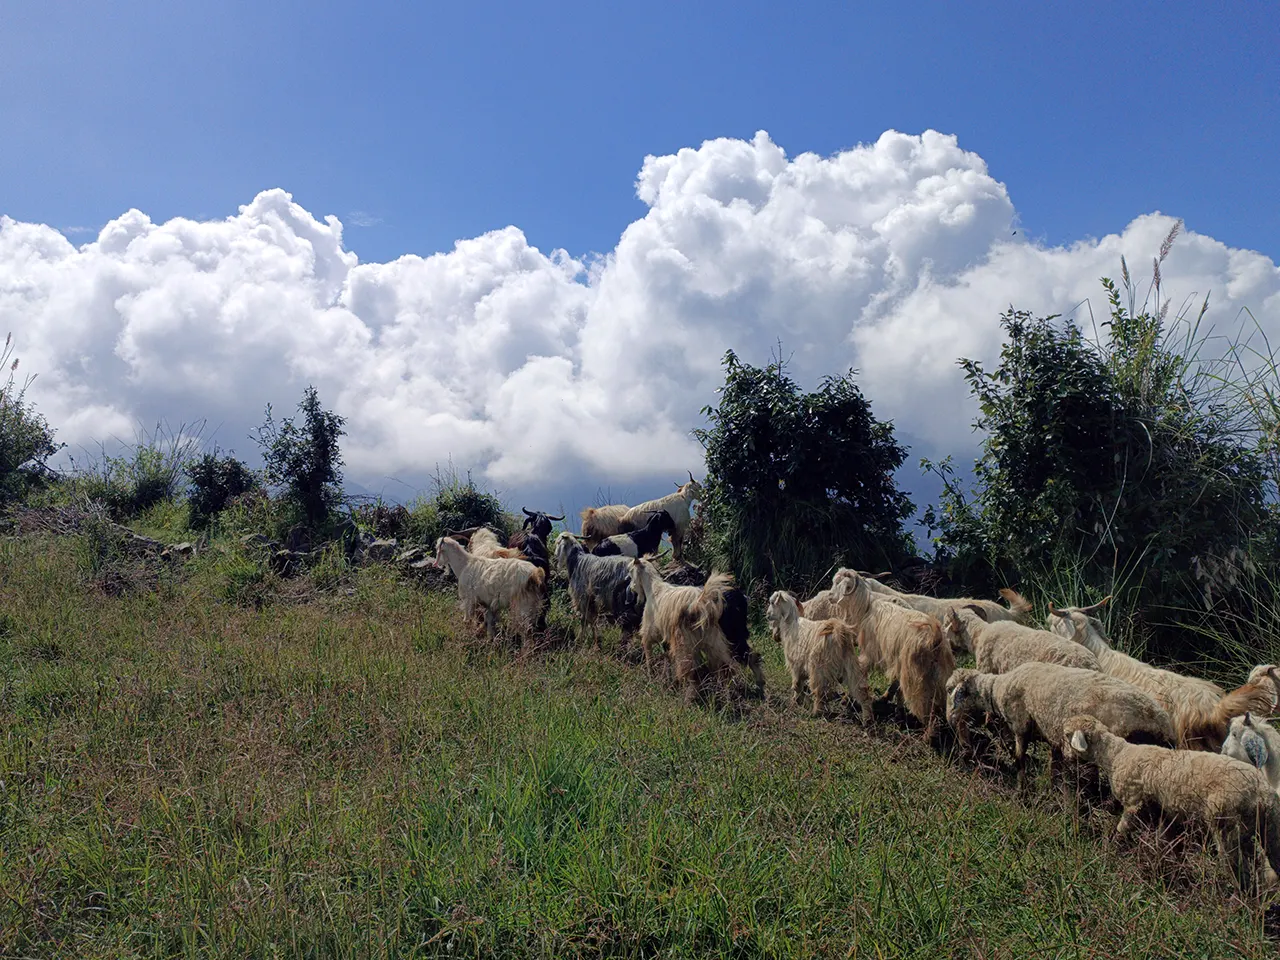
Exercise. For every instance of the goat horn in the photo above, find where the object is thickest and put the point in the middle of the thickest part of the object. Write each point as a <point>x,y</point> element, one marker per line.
<point>550,517</point>
<point>462,533</point>
<point>1101,603</point>
<point>690,472</point>
<point>528,512</point>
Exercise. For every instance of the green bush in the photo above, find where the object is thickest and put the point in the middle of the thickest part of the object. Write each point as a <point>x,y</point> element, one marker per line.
<point>215,481</point>
<point>132,482</point>
<point>304,459</point>
<point>798,483</point>
<point>26,439</point>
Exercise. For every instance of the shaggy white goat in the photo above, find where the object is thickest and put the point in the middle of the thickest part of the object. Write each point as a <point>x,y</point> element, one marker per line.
<point>1019,608</point>
<point>678,505</point>
<point>484,543</point>
<point>495,585</point>
<point>822,652</point>
<point>1201,711</point>
<point>601,522</point>
<point>1001,646</point>
<point>686,619</point>
<point>907,645</point>
<point>1036,699</point>
<point>1231,798</point>
<point>1255,742</point>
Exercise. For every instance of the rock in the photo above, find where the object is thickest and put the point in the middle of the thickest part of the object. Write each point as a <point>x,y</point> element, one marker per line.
<point>382,549</point>
<point>412,555</point>
<point>298,539</point>
<point>287,563</point>
<point>184,549</point>
<point>259,540</point>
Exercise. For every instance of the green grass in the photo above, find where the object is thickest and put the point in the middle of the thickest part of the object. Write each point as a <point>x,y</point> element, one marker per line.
<point>184,771</point>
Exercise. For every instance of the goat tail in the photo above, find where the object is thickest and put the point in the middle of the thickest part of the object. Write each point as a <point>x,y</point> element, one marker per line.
<point>1251,698</point>
<point>709,606</point>
<point>1019,605</point>
<point>537,580</point>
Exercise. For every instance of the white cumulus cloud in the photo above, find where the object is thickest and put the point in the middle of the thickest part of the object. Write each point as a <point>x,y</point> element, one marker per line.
<point>540,368</point>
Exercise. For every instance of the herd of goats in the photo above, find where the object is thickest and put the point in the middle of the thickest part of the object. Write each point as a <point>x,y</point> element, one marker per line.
<point>1159,740</point>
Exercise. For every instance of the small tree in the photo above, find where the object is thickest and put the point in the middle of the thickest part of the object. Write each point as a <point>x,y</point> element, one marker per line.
<point>215,481</point>
<point>305,459</point>
<point>799,482</point>
<point>26,439</point>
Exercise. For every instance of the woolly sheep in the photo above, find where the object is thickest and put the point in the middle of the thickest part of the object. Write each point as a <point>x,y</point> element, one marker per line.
<point>823,653</point>
<point>1231,798</point>
<point>1201,711</point>
<point>678,505</point>
<point>1001,646</point>
<point>494,584</point>
<point>686,619</point>
<point>1036,699</point>
<point>598,586</point>
<point>1257,743</point>
<point>907,645</point>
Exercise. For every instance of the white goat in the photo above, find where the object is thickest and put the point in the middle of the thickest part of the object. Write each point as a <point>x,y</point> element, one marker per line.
<point>679,507</point>
<point>495,585</point>
<point>687,619</point>
<point>1255,742</point>
<point>1201,710</point>
<point>822,652</point>
<point>1019,608</point>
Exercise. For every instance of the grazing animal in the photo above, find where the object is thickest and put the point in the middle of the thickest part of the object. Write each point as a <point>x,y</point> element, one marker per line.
<point>536,523</point>
<point>1256,742</point>
<point>821,653</point>
<point>999,647</point>
<point>1036,699</point>
<point>734,621</point>
<point>907,645</point>
<point>495,584</point>
<point>598,587</point>
<point>687,620</point>
<point>679,505</point>
<point>637,543</point>
<point>1231,798</point>
<point>1201,711</point>
<point>1019,608</point>
<point>484,543</point>
<point>601,522</point>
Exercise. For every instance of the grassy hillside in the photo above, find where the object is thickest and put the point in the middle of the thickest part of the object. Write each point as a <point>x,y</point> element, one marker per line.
<point>205,761</point>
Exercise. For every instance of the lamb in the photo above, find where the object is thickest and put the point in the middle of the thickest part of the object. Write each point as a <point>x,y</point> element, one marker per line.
<point>1019,608</point>
<point>494,584</point>
<point>678,505</point>
<point>1231,798</point>
<point>598,586</point>
<point>822,652</point>
<point>601,522</point>
<point>1036,699</point>
<point>1201,711</point>
<point>1255,742</point>
<point>906,644</point>
<point>687,619</point>
<point>1001,646</point>
<point>638,543</point>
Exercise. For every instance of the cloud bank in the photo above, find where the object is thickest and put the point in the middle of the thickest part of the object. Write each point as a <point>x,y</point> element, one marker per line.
<point>536,368</point>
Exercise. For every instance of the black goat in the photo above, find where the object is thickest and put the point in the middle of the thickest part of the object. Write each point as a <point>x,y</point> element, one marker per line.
<point>536,523</point>
<point>637,543</point>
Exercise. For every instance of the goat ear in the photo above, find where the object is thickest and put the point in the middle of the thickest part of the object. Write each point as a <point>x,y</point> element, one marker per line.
<point>978,611</point>
<point>800,606</point>
<point>1078,742</point>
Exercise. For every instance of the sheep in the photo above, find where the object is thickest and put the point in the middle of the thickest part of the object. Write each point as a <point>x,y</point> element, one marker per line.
<point>822,652</point>
<point>906,644</point>
<point>678,505</point>
<point>638,543</point>
<point>1231,798</point>
<point>494,584</point>
<point>1036,699</point>
<point>687,619</point>
<point>601,522</point>
<point>1255,742</point>
<point>733,621</point>
<point>1019,608</point>
<point>598,586</point>
<point>1001,646</point>
<point>1201,711</point>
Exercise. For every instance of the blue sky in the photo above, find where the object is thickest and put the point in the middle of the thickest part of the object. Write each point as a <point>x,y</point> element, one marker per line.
<point>422,126</point>
<point>444,121</point>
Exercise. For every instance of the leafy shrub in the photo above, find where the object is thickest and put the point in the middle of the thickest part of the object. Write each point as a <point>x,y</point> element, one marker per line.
<point>139,478</point>
<point>799,482</point>
<point>304,459</point>
<point>26,439</point>
<point>384,519</point>
<point>215,481</point>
